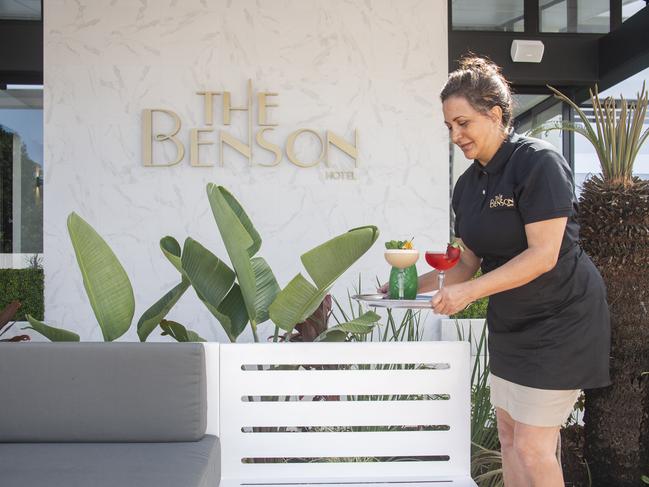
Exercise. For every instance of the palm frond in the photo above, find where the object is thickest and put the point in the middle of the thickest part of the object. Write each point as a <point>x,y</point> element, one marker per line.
<point>616,138</point>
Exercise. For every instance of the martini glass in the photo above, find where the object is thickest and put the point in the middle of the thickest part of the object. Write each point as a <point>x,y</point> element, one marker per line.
<point>440,261</point>
<point>401,259</point>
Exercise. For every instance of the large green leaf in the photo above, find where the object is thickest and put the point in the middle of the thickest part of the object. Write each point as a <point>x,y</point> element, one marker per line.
<point>171,250</point>
<point>107,285</point>
<point>179,333</point>
<point>325,263</point>
<point>231,313</point>
<point>51,333</point>
<point>237,241</point>
<point>295,303</point>
<point>256,281</point>
<point>266,287</point>
<point>245,221</point>
<point>214,284</point>
<point>210,276</point>
<point>159,310</point>
<point>361,326</point>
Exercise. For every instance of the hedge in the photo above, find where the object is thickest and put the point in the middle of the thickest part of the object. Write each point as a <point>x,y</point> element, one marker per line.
<point>476,310</point>
<point>25,285</point>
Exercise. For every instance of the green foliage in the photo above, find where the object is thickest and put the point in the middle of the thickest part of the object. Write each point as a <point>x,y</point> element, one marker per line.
<point>108,287</point>
<point>362,325</point>
<point>51,333</point>
<point>248,292</point>
<point>476,310</point>
<point>178,332</point>
<point>26,286</point>
<point>397,244</point>
<point>617,139</point>
<point>257,284</point>
<point>324,264</point>
<point>486,461</point>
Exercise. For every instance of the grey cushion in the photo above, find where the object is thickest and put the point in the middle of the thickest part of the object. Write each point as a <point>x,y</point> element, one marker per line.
<point>191,464</point>
<point>102,392</point>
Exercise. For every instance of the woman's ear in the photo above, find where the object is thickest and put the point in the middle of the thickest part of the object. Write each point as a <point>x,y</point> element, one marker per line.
<point>496,114</point>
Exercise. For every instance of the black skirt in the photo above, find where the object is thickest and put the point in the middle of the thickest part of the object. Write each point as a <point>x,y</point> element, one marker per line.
<point>554,332</point>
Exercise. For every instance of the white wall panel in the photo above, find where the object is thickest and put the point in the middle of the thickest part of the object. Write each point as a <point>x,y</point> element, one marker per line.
<point>376,66</point>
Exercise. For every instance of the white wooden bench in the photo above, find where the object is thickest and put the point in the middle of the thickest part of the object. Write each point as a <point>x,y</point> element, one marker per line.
<point>359,413</point>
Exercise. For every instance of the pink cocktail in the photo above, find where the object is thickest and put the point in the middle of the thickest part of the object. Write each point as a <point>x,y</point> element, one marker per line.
<point>442,261</point>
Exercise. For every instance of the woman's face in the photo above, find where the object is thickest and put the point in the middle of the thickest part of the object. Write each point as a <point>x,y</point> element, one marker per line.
<point>479,135</point>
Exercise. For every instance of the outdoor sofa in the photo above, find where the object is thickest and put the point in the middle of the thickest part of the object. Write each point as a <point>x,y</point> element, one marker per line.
<point>185,415</point>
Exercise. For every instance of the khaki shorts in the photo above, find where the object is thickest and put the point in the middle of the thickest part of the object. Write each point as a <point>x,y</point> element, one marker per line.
<point>535,407</point>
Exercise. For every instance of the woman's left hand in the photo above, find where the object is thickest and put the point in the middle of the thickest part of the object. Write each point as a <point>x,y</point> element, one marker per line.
<point>451,299</point>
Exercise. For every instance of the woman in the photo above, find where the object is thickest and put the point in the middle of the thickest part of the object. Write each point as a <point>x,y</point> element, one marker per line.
<point>515,214</point>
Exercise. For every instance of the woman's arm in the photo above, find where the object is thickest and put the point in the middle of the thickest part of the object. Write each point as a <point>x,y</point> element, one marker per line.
<point>464,270</point>
<point>543,245</point>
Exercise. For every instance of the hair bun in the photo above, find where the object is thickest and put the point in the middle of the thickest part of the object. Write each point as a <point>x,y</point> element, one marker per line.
<point>479,64</point>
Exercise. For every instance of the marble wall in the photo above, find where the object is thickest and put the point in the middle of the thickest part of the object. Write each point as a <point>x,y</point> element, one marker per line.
<point>375,66</point>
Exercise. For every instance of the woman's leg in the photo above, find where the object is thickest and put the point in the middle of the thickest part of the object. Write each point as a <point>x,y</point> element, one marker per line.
<point>535,448</point>
<point>513,474</point>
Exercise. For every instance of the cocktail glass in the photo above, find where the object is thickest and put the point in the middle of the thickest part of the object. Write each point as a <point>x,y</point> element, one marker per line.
<point>440,261</point>
<point>401,259</point>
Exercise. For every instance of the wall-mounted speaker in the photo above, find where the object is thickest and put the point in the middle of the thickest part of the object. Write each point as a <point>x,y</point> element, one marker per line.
<point>527,51</point>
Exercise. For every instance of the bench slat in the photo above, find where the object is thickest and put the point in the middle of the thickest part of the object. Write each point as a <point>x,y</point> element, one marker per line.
<point>353,413</point>
<point>356,444</point>
<point>344,382</point>
<point>432,481</point>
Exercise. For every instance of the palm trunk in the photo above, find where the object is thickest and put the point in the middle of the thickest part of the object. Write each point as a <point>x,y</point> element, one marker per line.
<point>615,233</point>
<point>617,417</point>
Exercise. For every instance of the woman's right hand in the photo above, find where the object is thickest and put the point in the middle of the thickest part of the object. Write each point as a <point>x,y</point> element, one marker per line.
<point>383,289</point>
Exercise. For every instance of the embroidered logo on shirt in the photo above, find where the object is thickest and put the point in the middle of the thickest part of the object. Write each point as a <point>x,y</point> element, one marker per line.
<point>499,200</point>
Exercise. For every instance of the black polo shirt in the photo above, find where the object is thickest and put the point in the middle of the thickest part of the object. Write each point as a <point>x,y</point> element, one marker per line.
<point>535,330</point>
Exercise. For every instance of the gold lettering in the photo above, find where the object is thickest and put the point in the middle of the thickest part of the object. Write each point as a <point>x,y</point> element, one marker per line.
<point>194,154</point>
<point>343,145</point>
<point>269,146</point>
<point>228,108</point>
<point>498,200</point>
<point>208,105</point>
<point>236,144</point>
<point>148,137</point>
<point>290,148</point>
<point>262,102</point>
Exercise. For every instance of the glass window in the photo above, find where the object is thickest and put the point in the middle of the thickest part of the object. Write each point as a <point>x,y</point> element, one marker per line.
<point>552,114</point>
<point>499,15</point>
<point>523,103</point>
<point>21,171</point>
<point>584,16</point>
<point>630,7</point>
<point>586,161</point>
<point>20,9</point>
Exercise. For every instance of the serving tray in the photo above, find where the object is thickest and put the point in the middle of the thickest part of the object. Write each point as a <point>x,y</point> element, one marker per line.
<point>422,301</point>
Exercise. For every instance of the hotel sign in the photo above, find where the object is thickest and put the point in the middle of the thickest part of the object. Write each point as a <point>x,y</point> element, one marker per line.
<point>208,135</point>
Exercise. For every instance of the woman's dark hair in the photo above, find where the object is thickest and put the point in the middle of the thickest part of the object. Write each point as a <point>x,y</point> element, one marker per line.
<point>481,83</point>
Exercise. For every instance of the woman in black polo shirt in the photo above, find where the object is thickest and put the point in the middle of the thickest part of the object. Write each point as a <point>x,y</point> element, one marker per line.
<point>515,213</point>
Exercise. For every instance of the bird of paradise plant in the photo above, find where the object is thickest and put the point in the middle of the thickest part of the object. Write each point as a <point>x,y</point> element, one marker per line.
<point>246,293</point>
